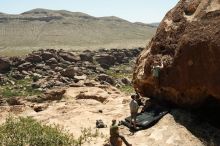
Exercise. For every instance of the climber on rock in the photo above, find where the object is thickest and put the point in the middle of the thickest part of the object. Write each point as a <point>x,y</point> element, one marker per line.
<point>156,72</point>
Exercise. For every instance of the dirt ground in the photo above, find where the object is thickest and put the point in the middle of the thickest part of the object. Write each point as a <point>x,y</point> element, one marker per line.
<point>74,114</point>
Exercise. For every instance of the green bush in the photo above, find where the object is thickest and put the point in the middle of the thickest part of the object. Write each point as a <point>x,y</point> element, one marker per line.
<point>7,92</point>
<point>128,89</point>
<point>27,131</point>
<point>20,88</point>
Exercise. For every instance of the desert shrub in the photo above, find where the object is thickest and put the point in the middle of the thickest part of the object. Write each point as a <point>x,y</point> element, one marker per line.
<point>7,92</point>
<point>20,88</point>
<point>27,131</point>
<point>128,89</point>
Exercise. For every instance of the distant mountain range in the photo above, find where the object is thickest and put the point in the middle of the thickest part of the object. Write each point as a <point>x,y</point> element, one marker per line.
<point>156,24</point>
<point>50,28</point>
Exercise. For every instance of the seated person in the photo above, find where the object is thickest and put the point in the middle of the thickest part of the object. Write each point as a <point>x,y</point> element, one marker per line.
<point>115,138</point>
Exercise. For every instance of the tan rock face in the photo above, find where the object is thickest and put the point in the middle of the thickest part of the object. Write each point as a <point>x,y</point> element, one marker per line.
<point>188,43</point>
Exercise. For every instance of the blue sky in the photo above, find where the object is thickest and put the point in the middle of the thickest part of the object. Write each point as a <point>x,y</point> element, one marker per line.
<point>133,10</point>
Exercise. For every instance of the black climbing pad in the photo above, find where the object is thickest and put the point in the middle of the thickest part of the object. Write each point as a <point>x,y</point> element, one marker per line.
<point>147,118</point>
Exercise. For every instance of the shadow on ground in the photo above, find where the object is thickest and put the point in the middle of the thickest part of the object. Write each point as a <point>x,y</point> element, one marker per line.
<point>204,123</point>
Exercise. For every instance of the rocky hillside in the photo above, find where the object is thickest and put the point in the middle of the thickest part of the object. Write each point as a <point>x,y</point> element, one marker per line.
<point>187,42</point>
<point>74,89</point>
<point>43,28</point>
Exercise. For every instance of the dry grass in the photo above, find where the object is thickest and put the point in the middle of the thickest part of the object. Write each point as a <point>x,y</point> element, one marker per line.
<point>27,131</point>
<point>21,51</point>
<point>72,31</point>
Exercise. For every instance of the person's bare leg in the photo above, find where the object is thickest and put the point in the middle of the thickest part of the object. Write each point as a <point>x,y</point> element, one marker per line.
<point>124,140</point>
<point>132,118</point>
<point>135,120</point>
<point>131,122</point>
<point>116,141</point>
<point>135,123</point>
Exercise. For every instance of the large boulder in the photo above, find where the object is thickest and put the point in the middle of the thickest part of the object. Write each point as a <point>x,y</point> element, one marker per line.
<point>25,66</point>
<point>68,56</point>
<point>46,55</point>
<point>86,56</point>
<point>105,60</point>
<point>33,58</point>
<point>120,57</point>
<point>188,42</point>
<point>71,71</point>
<point>51,61</point>
<point>4,65</point>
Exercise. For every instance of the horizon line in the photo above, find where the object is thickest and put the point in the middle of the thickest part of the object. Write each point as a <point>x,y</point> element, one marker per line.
<point>20,13</point>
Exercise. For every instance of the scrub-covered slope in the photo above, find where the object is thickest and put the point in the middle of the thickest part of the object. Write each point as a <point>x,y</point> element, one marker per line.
<point>48,28</point>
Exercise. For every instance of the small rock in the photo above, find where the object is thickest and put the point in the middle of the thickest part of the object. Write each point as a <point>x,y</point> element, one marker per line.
<point>2,101</point>
<point>24,72</point>
<point>35,85</point>
<point>99,98</point>
<point>25,66</point>
<point>48,55</point>
<point>4,65</point>
<point>83,77</point>
<point>105,78</point>
<point>51,61</point>
<point>11,82</point>
<point>68,56</point>
<point>58,83</point>
<point>90,83</point>
<point>69,72</point>
<point>86,56</point>
<point>36,76</point>
<point>17,75</point>
<point>15,101</point>
<point>16,61</point>
<point>126,81</point>
<point>100,124</point>
<point>33,58</point>
<point>40,107</point>
<point>58,69</point>
<point>78,84</point>
<point>55,94</point>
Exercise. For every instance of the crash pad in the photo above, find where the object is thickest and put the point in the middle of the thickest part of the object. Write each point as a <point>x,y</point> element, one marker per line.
<point>146,119</point>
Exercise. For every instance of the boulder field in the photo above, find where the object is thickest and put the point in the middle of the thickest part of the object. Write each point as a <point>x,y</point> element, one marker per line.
<point>54,68</point>
<point>187,41</point>
<point>74,89</point>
